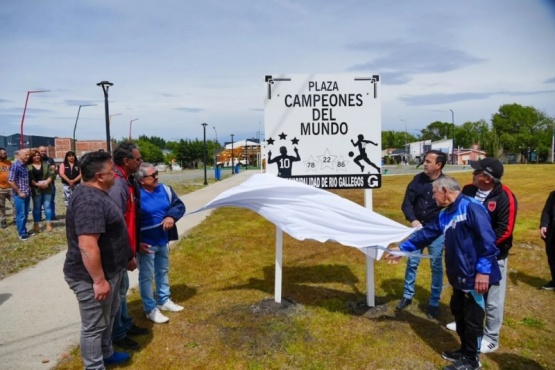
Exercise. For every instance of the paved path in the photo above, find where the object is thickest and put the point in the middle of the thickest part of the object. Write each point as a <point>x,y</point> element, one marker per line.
<point>39,317</point>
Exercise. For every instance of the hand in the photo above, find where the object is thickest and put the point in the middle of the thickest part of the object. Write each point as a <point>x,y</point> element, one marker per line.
<point>132,264</point>
<point>145,248</point>
<point>481,283</point>
<point>415,224</point>
<point>168,223</point>
<point>21,194</point>
<point>101,290</point>
<point>375,144</point>
<point>296,150</point>
<point>543,232</point>
<point>391,259</point>
<point>270,153</point>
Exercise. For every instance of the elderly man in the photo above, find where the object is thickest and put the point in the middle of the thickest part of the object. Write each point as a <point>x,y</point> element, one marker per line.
<point>160,209</point>
<point>470,260</point>
<point>18,178</point>
<point>501,204</point>
<point>5,188</point>
<point>419,209</point>
<point>125,194</point>
<point>96,259</point>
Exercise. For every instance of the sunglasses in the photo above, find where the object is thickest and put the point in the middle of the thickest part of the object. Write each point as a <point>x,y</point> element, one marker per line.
<point>154,175</point>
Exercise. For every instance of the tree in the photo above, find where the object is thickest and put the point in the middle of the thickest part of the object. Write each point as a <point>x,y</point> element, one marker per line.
<point>158,141</point>
<point>520,129</point>
<point>150,152</point>
<point>437,131</point>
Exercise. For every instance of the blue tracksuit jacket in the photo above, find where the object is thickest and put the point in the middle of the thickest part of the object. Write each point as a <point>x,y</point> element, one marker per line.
<point>469,242</point>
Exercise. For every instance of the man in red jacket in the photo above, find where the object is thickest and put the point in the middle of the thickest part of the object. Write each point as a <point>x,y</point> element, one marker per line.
<point>125,194</point>
<point>501,205</point>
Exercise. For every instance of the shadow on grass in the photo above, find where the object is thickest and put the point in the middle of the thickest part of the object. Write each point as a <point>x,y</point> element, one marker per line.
<point>510,361</point>
<point>520,277</point>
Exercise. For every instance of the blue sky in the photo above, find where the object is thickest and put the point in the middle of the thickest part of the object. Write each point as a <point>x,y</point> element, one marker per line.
<point>176,64</point>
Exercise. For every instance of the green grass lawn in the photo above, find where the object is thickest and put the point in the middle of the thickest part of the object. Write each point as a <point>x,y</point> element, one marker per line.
<point>223,273</point>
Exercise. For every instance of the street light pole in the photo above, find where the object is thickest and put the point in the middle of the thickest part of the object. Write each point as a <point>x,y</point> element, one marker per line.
<point>204,160</point>
<point>232,166</point>
<point>453,122</point>
<point>216,132</point>
<point>130,125</point>
<point>21,141</point>
<point>553,143</point>
<point>75,127</point>
<point>406,129</point>
<point>110,119</point>
<point>105,86</point>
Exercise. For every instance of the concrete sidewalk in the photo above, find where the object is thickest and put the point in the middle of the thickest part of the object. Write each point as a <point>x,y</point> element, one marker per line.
<point>39,316</point>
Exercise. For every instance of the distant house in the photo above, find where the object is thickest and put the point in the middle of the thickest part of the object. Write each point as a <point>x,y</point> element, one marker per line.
<point>462,156</point>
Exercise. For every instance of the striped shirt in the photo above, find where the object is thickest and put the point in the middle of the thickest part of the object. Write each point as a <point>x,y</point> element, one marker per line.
<point>20,175</point>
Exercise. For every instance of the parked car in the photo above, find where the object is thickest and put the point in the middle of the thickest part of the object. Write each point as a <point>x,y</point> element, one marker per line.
<point>176,167</point>
<point>161,167</point>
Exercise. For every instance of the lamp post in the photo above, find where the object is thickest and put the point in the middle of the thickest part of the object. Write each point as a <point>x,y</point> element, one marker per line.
<point>75,127</point>
<point>453,122</point>
<point>105,86</point>
<point>553,143</point>
<point>130,125</point>
<point>406,129</point>
<point>232,166</point>
<point>216,132</point>
<point>204,151</point>
<point>21,141</point>
<point>246,154</point>
<point>112,115</point>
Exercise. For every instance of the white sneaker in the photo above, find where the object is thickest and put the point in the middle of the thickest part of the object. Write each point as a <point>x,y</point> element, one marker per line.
<point>487,346</point>
<point>157,316</point>
<point>452,326</point>
<point>170,306</point>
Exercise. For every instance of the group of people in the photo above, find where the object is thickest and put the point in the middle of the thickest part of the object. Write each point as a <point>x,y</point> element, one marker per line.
<point>120,218</point>
<point>474,227</point>
<point>32,177</point>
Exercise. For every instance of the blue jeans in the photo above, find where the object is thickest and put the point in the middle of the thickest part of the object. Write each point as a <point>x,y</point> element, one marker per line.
<point>21,213</point>
<point>436,250</point>
<point>39,201</point>
<point>123,321</point>
<point>52,202</point>
<point>154,266</point>
<point>97,318</point>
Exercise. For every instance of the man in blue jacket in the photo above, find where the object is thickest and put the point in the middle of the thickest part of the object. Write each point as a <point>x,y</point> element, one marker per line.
<point>161,208</point>
<point>470,262</point>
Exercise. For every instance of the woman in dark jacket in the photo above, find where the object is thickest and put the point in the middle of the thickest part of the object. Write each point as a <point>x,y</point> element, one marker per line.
<point>547,233</point>
<point>70,174</point>
<point>40,179</point>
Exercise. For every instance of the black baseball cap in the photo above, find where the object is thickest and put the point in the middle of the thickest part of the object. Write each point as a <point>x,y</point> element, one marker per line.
<point>489,165</point>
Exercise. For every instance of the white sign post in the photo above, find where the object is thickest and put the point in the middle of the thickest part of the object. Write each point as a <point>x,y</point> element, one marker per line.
<point>324,131</point>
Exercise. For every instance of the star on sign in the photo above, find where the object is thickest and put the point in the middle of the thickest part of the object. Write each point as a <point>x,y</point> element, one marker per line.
<point>282,136</point>
<point>270,141</point>
<point>327,160</point>
<point>310,164</point>
<point>343,166</point>
<point>295,141</point>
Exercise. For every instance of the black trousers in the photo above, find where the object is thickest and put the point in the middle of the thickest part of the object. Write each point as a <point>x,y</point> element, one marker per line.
<point>469,311</point>
<point>550,251</point>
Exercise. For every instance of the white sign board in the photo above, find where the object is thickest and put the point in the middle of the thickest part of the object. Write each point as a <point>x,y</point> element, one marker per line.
<point>324,130</point>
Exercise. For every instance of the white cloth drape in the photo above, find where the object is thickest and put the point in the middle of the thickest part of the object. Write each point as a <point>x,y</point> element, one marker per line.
<point>305,212</point>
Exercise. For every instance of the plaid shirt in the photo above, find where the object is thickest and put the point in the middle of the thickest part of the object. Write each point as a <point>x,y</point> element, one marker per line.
<point>20,175</point>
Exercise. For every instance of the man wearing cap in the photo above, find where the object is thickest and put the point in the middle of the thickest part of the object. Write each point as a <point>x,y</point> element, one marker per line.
<point>501,205</point>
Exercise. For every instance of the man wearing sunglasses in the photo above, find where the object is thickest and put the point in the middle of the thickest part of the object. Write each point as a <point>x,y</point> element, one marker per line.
<point>161,208</point>
<point>501,205</point>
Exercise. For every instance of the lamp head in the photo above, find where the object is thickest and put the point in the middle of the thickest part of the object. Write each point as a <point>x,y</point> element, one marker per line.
<point>105,86</point>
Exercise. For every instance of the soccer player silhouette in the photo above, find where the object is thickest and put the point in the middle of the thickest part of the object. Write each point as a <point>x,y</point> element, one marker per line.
<point>361,145</point>
<point>284,161</point>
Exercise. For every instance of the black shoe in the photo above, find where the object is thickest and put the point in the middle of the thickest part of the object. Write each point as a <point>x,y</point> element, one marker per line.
<point>453,356</point>
<point>30,233</point>
<point>464,364</point>
<point>403,303</point>
<point>136,330</point>
<point>3,224</point>
<point>433,312</point>
<point>549,286</point>
<point>24,237</point>
<point>126,343</point>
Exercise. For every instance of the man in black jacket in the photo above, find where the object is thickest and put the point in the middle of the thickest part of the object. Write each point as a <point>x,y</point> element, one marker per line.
<point>420,208</point>
<point>547,233</point>
<point>501,205</point>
